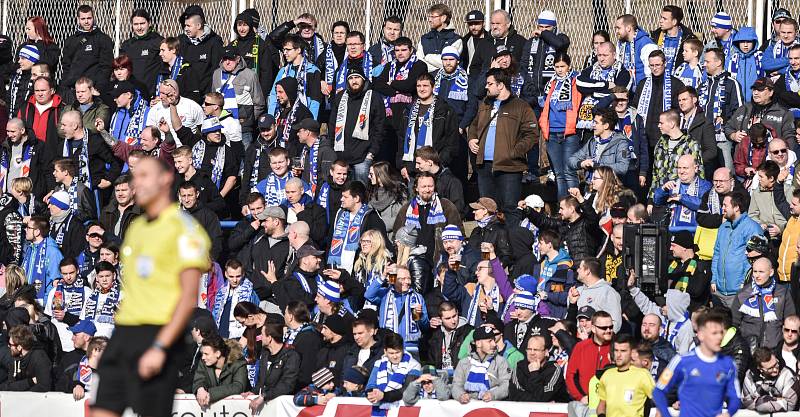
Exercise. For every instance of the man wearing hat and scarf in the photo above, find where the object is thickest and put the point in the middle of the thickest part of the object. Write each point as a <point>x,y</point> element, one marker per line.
<point>65,227</point>
<point>687,272</point>
<point>776,56</point>
<point>485,374</point>
<point>723,32</point>
<point>457,254</point>
<point>212,155</point>
<point>451,83</point>
<point>538,56</point>
<point>289,111</point>
<point>265,261</point>
<point>358,117</point>
<point>764,109</point>
<point>21,85</point>
<point>242,94</point>
<point>129,119</point>
<point>337,340</point>
<point>259,55</point>
<point>201,48</point>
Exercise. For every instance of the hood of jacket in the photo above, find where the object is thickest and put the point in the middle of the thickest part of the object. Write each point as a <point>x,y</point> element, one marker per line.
<point>677,305</point>
<point>56,100</point>
<point>237,69</point>
<point>746,33</point>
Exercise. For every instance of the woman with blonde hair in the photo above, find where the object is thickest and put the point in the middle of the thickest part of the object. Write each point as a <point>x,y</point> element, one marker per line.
<point>605,189</point>
<point>15,279</point>
<point>371,260</point>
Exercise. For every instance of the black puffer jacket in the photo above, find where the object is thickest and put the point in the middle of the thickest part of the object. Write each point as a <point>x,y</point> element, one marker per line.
<point>496,234</point>
<point>421,270</point>
<point>203,59</point>
<point>580,236</point>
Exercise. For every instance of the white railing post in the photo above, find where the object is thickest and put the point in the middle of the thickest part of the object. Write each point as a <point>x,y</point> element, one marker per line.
<point>232,23</point>
<point>368,23</point>
<point>5,16</point>
<point>628,8</point>
<point>487,14</point>
<point>117,25</point>
<point>763,24</point>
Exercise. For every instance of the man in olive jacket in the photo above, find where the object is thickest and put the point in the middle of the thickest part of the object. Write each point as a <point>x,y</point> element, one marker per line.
<point>501,135</point>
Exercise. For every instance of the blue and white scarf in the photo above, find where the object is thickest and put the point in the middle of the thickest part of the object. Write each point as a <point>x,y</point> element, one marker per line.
<point>311,153</point>
<point>291,334</point>
<point>61,228</point>
<point>137,114</point>
<point>391,380</point>
<point>647,94</point>
<point>751,305</point>
<point>779,50</point>
<point>494,297</point>
<point>671,47</point>
<point>323,199</point>
<point>361,125</point>
<point>252,368</point>
<point>241,293</point>
<point>317,48</point>
<point>301,75</point>
<point>341,73</point>
<point>435,215</point>
<point>304,282</point>
<point>793,85</point>
<point>398,74</point>
<point>84,372</point>
<point>256,164</point>
<point>424,136</point>
<point>217,164</point>
<point>73,295</point>
<point>84,174</point>
<point>5,165</point>
<point>478,376</point>
<point>458,84</point>
<point>36,267</point>
<point>719,98</point>
<point>287,122</point>
<point>561,96</point>
<point>690,77</point>
<point>733,64</point>
<point>104,313</point>
<point>331,64</point>
<point>173,72</point>
<point>346,233</point>
<point>229,94</point>
<point>392,319</point>
<point>671,333</point>
<point>275,189</point>
<point>626,50</point>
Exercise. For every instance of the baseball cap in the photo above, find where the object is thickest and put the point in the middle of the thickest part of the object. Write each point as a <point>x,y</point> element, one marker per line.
<point>266,121</point>
<point>780,13</point>
<point>307,124</point>
<point>762,83</point>
<point>619,210</point>
<point>307,250</point>
<point>230,52</point>
<point>534,201</point>
<point>122,87</point>
<point>483,333</point>
<point>273,211</point>
<point>474,16</point>
<point>586,311</point>
<point>485,203</point>
<point>683,239</point>
<point>84,326</point>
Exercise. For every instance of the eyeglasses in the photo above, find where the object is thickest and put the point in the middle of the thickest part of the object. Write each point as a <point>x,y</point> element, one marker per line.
<point>483,267</point>
<point>604,328</point>
<point>205,103</point>
<point>30,228</point>
<point>792,331</point>
<point>366,241</point>
<point>434,16</point>
<point>779,151</point>
<point>94,235</point>
<point>285,50</point>
<point>771,368</point>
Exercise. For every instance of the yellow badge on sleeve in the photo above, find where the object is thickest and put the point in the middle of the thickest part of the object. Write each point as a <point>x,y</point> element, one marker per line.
<point>190,247</point>
<point>665,376</point>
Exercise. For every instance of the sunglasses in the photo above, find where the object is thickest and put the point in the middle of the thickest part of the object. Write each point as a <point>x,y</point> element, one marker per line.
<point>95,235</point>
<point>792,331</point>
<point>604,328</point>
<point>779,151</point>
<point>205,103</point>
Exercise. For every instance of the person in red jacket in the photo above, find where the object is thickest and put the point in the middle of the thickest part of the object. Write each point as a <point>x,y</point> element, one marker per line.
<point>590,355</point>
<point>751,152</point>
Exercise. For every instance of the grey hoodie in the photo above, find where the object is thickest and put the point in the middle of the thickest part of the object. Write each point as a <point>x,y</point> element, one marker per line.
<point>677,310</point>
<point>249,94</point>
<point>499,376</point>
<point>601,296</point>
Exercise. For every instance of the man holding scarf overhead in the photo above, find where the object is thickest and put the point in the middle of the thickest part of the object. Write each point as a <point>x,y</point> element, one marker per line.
<point>390,376</point>
<point>429,122</point>
<point>357,114</point>
<point>353,218</point>
<point>655,94</point>
<point>306,75</point>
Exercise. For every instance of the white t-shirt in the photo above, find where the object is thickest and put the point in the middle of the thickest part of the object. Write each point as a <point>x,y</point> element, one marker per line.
<point>232,129</point>
<point>190,113</point>
<point>791,361</point>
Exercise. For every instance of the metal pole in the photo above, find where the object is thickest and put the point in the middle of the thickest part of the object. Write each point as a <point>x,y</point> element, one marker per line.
<point>117,25</point>
<point>628,8</point>
<point>368,22</point>
<point>488,7</point>
<point>5,16</point>
<point>232,24</point>
<point>750,13</point>
<point>762,24</point>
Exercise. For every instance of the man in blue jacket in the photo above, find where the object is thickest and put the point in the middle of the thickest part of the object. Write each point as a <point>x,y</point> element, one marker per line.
<point>729,263</point>
<point>683,196</point>
<point>633,47</point>
<point>442,34</point>
<point>776,56</point>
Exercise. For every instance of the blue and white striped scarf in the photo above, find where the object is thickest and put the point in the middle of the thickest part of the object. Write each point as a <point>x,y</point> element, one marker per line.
<point>217,164</point>
<point>418,134</point>
<point>387,382</point>
<point>391,318</point>
<point>229,94</point>
<point>105,312</point>
<point>341,73</point>
<point>458,85</point>
<point>691,77</point>
<point>137,118</point>
<point>478,376</point>
<point>435,215</point>
<point>275,189</point>
<point>719,98</point>
<point>346,233</point>
<point>494,297</point>
<point>323,199</point>
<point>647,94</point>
<point>242,293</point>
<point>733,64</point>
<point>73,295</point>
<point>173,72</point>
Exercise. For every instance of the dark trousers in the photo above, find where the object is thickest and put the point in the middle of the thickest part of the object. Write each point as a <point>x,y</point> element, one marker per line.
<point>505,188</point>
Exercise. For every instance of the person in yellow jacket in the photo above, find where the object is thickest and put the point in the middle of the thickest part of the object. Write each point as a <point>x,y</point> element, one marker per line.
<point>787,253</point>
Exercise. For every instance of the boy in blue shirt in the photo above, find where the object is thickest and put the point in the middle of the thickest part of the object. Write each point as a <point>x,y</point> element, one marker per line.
<point>704,378</point>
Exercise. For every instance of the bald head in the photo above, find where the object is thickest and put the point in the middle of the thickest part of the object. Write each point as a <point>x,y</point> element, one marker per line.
<point>687,168</point>
<point>301,228</point>
<point>15,130</point>
<point>71,125</point>
<point>762,271</point>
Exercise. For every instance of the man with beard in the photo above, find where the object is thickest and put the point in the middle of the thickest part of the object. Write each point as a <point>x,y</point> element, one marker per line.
<point>350,221</point>
<point>655,94</point>
<point>256,159</point>
<point>358,115</point>
<point>268,254</point>
<point>87,53</point>
<point>441,346</point>
<point>429,122</point>
<point>307,85</point>
<point>201,49</point>
<point>470,41</point>
<point>31,367</point>
<point>356,58</point>
<point>259,55</point>
<point>189,196</point>
<point>142,48</point>
<point>441,35</point>
<point>770,387</point>
<point>663,352</point>
<point>397,83</point>
<point>20,156</point>
<point>762,109</point>
<point>289,110</point>
<point>118,214</point>
<point>383,51</point>
<point>150,142</point>
<point>633,48</point>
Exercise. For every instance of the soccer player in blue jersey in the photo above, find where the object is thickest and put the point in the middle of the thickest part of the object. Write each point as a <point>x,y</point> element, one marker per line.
<point>703,377</point>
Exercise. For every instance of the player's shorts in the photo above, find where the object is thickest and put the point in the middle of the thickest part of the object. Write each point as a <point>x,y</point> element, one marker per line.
<point>119,385</point>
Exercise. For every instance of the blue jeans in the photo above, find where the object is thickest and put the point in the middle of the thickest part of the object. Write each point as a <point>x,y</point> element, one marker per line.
<point>505,188</point>
<point>361,171</point>
<point>559,149</point>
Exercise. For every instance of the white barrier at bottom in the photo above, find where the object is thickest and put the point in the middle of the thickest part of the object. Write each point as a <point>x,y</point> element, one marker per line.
<point>28,404</point>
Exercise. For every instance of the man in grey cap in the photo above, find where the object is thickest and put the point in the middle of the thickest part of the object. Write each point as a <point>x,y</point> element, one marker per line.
<point>476,32</point>
<point>265,260</point>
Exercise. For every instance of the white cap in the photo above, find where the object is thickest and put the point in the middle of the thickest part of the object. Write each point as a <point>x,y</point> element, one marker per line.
<point>534,201</point>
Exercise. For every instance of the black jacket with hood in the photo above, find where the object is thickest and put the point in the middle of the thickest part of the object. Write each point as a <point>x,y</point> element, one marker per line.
<point>143,52</point>
<point>260,56</point>
<point>202,59</point>
<point>86,54</point>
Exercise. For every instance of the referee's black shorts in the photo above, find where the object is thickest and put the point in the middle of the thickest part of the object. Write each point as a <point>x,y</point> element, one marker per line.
<point>119,385</point>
